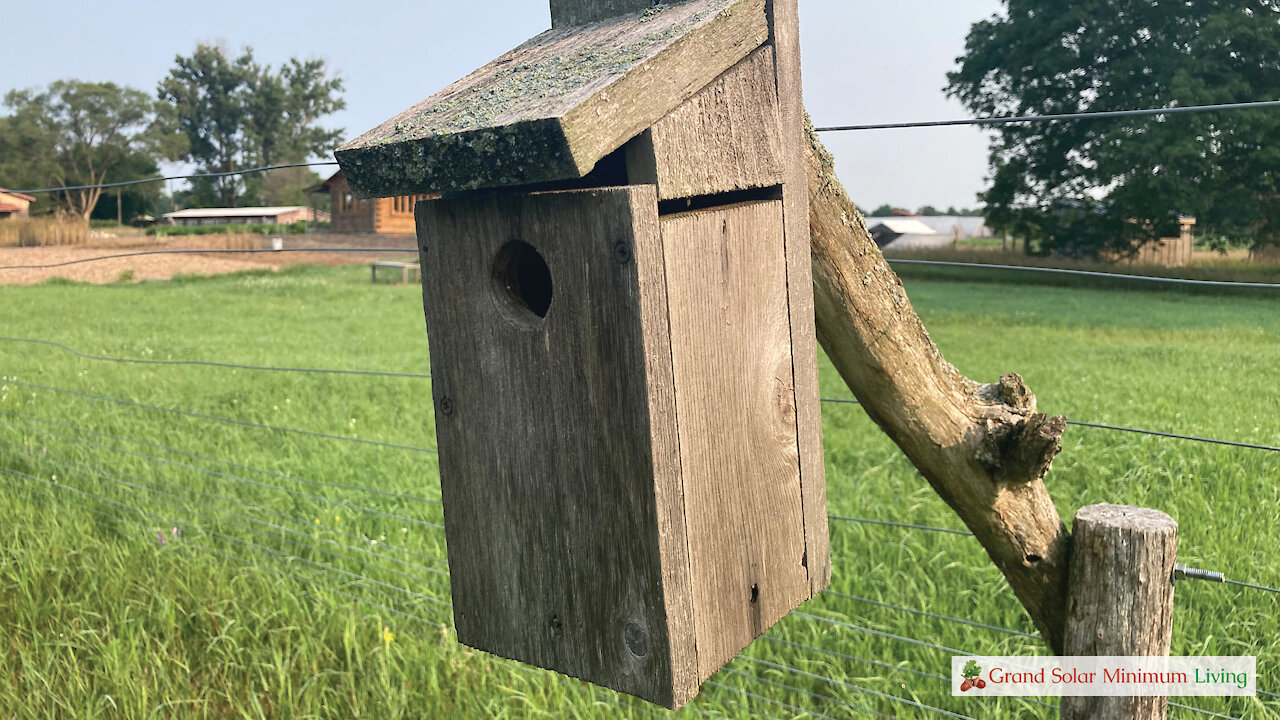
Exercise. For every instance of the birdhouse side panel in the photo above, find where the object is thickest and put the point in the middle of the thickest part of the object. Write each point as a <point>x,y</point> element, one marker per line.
<point>535,311</point>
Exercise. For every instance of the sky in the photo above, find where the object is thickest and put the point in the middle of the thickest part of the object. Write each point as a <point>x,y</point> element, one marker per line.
<point>862,63</point>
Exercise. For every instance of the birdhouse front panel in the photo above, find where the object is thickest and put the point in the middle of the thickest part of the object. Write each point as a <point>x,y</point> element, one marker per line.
<point>551,375</point>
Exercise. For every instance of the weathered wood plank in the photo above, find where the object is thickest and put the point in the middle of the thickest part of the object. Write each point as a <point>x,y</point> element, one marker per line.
<point>784,33</point>
<point>553,107</point>
<point>724,139</point>
<point>1121,599</point>
<point>558,464</point>
<point>731,352</point>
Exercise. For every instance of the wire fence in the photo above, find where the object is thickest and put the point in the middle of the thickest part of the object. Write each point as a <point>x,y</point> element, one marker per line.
<point>245,513</point>
<point>1059,117</point>
<point>375,571</point>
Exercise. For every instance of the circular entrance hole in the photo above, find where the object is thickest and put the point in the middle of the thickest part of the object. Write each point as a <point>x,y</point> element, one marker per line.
<point>523,279</point>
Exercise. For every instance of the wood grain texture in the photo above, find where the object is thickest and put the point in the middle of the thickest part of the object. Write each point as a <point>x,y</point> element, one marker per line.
<point>784,34</point>
<point>1121,599</point>
<point>724,139</point>
<point>983,447</point>
<point>731,352</point>
<point>557,463</point>
<point>553,107</point>
<point>584,12</point>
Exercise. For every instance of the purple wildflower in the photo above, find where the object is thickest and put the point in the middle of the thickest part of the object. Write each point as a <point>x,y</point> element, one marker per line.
<point>160,537</point>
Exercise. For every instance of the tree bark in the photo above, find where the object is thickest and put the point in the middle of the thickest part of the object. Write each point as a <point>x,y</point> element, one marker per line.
<point>983,447</point>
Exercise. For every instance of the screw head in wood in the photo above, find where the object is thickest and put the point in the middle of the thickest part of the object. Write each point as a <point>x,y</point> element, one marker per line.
<point>446,406</point>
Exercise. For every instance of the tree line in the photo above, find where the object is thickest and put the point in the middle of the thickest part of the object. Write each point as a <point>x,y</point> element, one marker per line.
<point>218,111</point>
<point>1087,186</point>
<point>887,210</point>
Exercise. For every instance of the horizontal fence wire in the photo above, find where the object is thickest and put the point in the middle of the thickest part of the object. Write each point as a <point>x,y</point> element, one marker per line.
<point>170,498</point>
<point>1058,117</point>
<point>930,528</point>
<point>852,658</point>
<point>219,419</point>
<point>174,519</point>
<point>935,616</point>
<point>760,698</point>
<point>856,688</point>
<point>211,251</point>
<point>1175,436</point>
<point>1085,273</point>
<point>360,539</point>
<point>236,478</point>
<point>364,489</point>
<point>878,633</point>
<point>1121,428</point>
<point>211,363</point>
<point>809,693</point>
<point>986,121</point>
<point>192,176</point>
<point>1252,586</point>
<point>891,523</point>
<point>1202,711</point>
<point>400,374</point>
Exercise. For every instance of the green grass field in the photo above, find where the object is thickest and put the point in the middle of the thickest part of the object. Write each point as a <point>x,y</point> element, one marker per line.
<point>259,607</point>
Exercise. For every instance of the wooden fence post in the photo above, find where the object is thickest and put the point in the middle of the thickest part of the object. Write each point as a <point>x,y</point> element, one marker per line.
<point>1121,599</point>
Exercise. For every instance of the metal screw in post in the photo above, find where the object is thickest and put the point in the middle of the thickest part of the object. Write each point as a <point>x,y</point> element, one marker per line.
<point>1182,572</point>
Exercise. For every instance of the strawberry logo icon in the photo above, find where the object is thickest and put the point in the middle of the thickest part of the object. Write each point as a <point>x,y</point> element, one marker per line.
<point>972,677</point>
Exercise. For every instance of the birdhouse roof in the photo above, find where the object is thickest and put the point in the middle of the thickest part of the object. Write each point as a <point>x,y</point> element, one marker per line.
<point>550,109</point>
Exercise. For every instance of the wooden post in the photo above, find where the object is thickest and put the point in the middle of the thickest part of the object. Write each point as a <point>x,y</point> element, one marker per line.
<point>1121,599</point>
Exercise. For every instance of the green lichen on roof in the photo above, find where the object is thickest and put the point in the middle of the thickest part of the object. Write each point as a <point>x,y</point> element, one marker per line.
<point>542,80</point>
<point>652,12</point>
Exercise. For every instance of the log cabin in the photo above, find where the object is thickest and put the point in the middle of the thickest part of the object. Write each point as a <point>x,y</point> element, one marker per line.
<point>350,214</point>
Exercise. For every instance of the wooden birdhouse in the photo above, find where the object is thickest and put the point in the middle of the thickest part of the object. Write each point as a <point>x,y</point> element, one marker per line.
<point>620,311</point>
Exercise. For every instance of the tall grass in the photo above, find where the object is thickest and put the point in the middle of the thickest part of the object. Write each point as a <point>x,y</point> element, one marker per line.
<point>41,232</point>
<point>256,608</point>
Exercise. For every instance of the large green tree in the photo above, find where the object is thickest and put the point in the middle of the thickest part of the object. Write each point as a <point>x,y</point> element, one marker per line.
<point>81,133</point>
<point>1096,184</point>
<point>238,113</point>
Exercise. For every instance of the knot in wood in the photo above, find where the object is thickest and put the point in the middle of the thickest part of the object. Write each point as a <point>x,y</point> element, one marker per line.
<point>1020,450</point>
<point>621,252</point>
<point>1015,393</point>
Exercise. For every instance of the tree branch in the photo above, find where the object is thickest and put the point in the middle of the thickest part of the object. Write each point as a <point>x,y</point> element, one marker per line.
<point>984,448</point>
